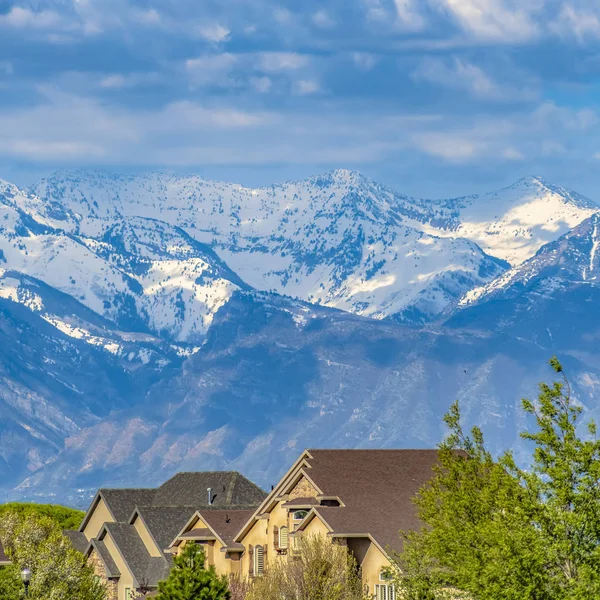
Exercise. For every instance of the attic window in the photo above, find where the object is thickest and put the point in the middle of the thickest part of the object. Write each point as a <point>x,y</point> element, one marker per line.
<point>330,502</point>
<point>299,515</point>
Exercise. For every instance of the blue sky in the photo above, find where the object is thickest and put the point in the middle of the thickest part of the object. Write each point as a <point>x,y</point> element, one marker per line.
<point>434,97</point>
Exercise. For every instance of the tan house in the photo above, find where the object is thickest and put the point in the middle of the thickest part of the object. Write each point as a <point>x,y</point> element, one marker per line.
<point>361,498</point>
<point>126,532</point>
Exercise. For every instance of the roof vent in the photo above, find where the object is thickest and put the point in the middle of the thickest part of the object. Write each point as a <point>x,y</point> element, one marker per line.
<point>210,496</point>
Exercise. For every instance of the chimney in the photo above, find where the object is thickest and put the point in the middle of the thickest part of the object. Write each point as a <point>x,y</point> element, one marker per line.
<point>210,496</point>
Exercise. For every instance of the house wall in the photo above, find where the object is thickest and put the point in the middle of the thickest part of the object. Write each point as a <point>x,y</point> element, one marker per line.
<point>372,563</point>
<point>100,516</point>
<point>315,527</point>
<point>257,536</point>
<point>112,591</point>
<point>145,536</point>
<point>126,579</point>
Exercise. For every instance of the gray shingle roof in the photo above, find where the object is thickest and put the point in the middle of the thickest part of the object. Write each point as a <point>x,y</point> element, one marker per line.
<point>165,523</point>
<point>77,539</point>
<point>112,571</point>
<point>122,502</point>
<point>147,570</point>
<point>229,489</point>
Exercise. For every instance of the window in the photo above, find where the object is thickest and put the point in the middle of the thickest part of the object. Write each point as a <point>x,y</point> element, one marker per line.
<point>299,515</point>
<point>284,538</point>
<point>259,561</point>
<point>128,594</point>
<point>385,591</point>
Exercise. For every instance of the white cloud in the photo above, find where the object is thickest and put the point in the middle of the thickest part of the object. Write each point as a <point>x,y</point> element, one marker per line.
<point>116,81</point>
<point>273,62</point>
<point>460,74</point>
<point>582,24</point>
<point>261,84</point>
<point>365,60</point>
<point>23,18</point>
<point>306,87</point>
<point>213,33</point>
<point>502,21</point>
<point>409,16</point>
<point>213,69</point>
<point>322,19</point>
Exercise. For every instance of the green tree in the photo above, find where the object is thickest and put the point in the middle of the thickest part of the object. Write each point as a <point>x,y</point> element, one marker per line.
<point>498,532</point>
<point>58,571</point>
<point>11,586</point>
<point>65,518</point>
<point>189,578</point>
<point>318,570</point>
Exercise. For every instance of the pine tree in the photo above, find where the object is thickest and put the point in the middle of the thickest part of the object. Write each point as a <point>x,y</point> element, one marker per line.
<point>189,579</point>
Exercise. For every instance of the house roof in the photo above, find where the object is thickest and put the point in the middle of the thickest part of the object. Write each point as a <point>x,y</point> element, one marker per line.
<point>377,488</point>
<point>112,571</point>
<point>201,532</point>
<point>226,523</point>
<point>77,539</point>
<point>229,488</point>
<point>164,522</point>
<point>146,569</point>
<point>4,560</point>
<point>300,503</point>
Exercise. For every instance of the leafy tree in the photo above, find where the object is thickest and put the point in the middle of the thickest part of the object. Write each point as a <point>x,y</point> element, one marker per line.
<point>319,570</point>
<point>499,532</point>
<point>58,571</point>
<point>189,578</point>
<point>11,586</point>
<point>65,518</point>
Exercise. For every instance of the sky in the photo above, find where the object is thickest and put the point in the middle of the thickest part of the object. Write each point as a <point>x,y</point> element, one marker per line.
<point>432,97</point>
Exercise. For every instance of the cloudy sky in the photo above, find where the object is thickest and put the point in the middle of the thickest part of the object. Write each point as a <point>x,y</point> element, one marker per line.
<point>434,97</point>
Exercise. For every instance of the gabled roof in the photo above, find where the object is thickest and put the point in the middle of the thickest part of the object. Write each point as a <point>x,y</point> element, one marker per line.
<point>163,523</point>
<point>77,539</point>
<point>376,488</point>
<point>222,524</point>
<point>112,571</point>
<point>4,560</point>
<point>146,569</point>
<point>229,488</point>
<point>120,502</point>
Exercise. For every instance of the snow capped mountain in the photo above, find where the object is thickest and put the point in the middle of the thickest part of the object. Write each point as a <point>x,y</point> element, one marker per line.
<point>515,222</point>
<point>119,292</point>
<point>339,239</point>
<point>571,260</point>
<point>143,275</point>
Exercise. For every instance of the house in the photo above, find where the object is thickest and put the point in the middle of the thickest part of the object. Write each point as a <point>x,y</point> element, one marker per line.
<point>360,498</point>
<point>4,560</point>
<point>126,532</point>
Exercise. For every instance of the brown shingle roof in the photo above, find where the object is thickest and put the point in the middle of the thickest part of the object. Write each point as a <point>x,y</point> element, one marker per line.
<point>300,503</point>
<point>202,532</point>
<point>377,488</point>
<point>226,523</point>
<point>77,539</point>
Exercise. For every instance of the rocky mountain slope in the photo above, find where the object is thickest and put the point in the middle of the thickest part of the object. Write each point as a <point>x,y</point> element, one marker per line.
<point>155,323</point>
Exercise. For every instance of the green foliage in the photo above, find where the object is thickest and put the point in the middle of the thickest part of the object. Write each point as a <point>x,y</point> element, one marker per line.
<point>58,571</point>
<point>320,570</point>
<point>65,518</point>
<point>189,578</point>
<point>498,532</point>
<point>11,587</point>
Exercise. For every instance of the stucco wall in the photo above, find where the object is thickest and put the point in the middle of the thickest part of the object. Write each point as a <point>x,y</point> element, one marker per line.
<point>145,536</point>
<point>100,516</point>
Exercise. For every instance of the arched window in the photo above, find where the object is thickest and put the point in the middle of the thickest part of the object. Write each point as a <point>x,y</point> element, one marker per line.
<point>284,538</point>
<point>299,515</point>
<point>259,561</point>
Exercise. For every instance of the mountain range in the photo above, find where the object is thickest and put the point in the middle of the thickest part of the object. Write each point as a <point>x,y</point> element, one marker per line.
<point>155,323</point>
